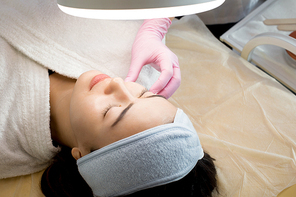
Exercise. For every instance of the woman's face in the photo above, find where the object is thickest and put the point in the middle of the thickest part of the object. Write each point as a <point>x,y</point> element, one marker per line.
<point>104,110</point>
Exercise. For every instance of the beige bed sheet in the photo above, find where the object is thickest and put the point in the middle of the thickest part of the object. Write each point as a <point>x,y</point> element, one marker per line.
<point>245,119</point>
<point>22,186</point>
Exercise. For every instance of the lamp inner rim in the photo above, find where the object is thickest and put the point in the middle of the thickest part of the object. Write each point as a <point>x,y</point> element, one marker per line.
<point>127,4</point>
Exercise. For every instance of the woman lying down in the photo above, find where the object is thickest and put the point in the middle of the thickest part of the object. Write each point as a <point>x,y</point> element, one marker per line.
<point>115,137</point>
<point>126,140</point>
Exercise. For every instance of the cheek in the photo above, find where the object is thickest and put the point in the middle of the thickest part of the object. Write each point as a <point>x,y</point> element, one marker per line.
<point>84,113</point>
<point>86,125</point>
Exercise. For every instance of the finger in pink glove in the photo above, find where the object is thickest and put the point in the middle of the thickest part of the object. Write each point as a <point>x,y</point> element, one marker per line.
<point>148,48</point>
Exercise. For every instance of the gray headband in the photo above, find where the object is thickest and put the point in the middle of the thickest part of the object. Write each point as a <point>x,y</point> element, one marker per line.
<point>154,157</point>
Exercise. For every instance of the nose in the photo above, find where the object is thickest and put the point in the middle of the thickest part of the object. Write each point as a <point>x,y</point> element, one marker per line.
<point>119,90</point>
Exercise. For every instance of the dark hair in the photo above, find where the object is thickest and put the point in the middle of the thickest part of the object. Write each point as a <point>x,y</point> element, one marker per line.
<point>62,179</point>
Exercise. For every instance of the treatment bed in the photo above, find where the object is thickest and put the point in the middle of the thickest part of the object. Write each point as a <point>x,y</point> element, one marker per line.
<point>245,119</point>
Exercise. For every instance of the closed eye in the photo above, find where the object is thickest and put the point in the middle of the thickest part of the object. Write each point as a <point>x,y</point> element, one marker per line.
<point>143,92</point>
<point>107,109</point>
<point>131,104</point>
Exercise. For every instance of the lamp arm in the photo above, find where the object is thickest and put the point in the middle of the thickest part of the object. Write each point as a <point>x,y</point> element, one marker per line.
<point>269,38</point>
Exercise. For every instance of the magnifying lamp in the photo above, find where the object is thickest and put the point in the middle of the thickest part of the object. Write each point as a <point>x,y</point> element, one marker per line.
<point>135,9</point>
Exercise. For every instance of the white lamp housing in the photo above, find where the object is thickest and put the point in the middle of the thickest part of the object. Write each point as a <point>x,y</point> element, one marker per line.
<point>135,9</point>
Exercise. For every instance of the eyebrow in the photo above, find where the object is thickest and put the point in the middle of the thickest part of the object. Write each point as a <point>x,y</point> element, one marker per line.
<point>121,115</point>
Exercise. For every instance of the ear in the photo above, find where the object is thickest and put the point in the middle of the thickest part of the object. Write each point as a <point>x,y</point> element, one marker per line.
<point>76,153</point>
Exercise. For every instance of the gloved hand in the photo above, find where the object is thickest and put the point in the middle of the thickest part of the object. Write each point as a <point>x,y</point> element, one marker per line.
<point>148,48</point>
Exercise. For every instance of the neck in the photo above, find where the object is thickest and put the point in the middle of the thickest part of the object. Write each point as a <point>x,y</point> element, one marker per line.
<point>61,89</point>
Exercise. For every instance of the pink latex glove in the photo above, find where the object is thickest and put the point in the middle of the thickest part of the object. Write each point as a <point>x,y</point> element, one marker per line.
<point>148,48</point>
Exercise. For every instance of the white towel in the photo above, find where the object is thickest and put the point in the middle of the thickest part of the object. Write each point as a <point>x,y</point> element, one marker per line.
<point>37,36</point>
<point>25,141</point>
<point>66,44</point>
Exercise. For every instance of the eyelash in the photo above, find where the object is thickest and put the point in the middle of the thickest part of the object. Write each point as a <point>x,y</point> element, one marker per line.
<point>143,92</point>
<point>107,109</point>
<point>110,106</point>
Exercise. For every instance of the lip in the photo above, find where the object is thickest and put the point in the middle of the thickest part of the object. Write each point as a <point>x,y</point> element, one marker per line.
<point>97,79</point>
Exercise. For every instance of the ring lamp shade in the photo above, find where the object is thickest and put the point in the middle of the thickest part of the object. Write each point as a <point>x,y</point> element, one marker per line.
<point>135,9</point>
